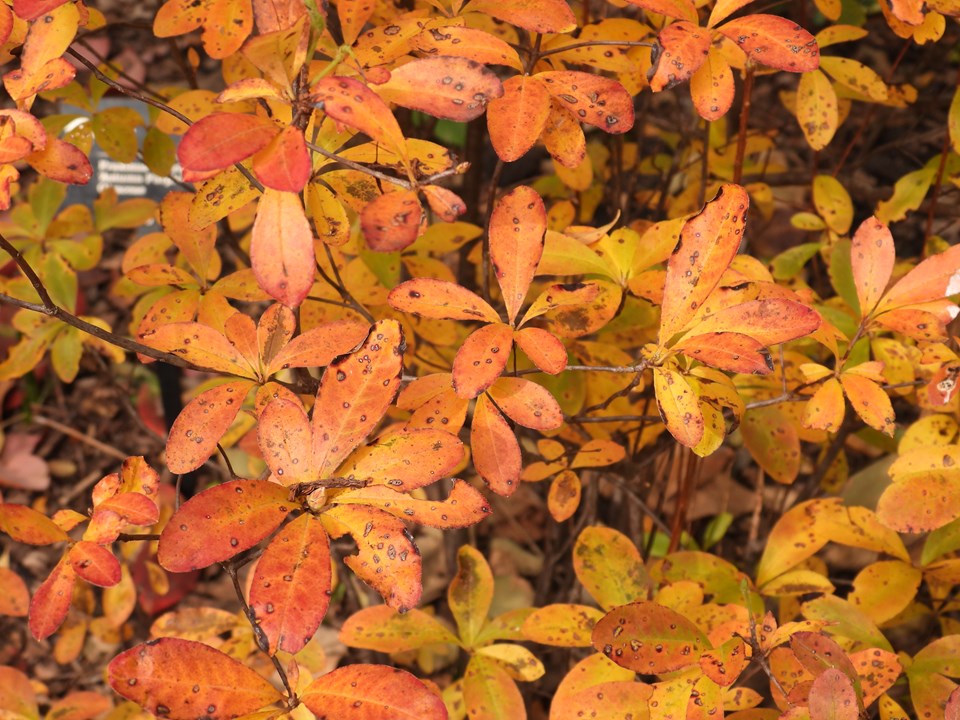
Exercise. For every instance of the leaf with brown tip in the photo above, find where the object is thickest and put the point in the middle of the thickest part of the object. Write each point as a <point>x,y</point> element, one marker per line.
<point>517,118</point>
<point>593,99</point>
<point>517,227</point>
<point>481,359</point>
<point>388,559</point>
<point>496,453</point>
<point>708,242</point>
<point>281,248</point>
<point>185,680</point>
<point>354,395</point>
<point>439,299</point>
<point>207,528</point>
<point>372,692</point>
<point>451,88</point>
<point>392,221</point>
<point>198,428</point>
<point>290,590</point>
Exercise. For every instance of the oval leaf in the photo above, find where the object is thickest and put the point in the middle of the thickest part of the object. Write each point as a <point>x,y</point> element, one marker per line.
<point>517,227</point>
<point>527,403</point>
<point>222,139</point>
<point>481,359</point>
<point>452,88</point>
<point>200,425</point>
<point>352,103</point>
<point>593,99</point>
<point>372,692</point>
<point>439,299</point>
<point>95,564</point>
<point>872,257</point>
<point>517,118</point>
<point>281,248</point>
<point>649,638</point>
<point>610,567</point>
<point>685,47</point>
<point>496,454</point>
<point>51,601</point>
<point>774,41</point>
<point>392,221</point>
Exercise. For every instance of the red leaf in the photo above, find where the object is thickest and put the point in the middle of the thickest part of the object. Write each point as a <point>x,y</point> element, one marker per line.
<point>481,359</point>
<point>185,680</point>
<point>388,560</point>
<point>774,41</point>
<point>281,248</point>
<point>517,118</point>
<point>285,440</point>
<point>354,395</point>
<point>352,103</point>
<point>386,461</point>
<point>26,525</point>
<point>465,505</point>
<point>539,16</point>
<point>685,48</point>
<point>592,99</point>
<point>517,227</point>
<point>51,601</point>
<point>708,242</point>
<point>372,692</point>
<point>200,425</point>
<point>425,297</point>
<point>222,139</point>
<point>95,564</point>
<point>452,88</point>
<point>290,590</point>
<point>527,403</point>
<point>392,221</point>
<point>496,453</point>
<point>284,164</point>
<point>208,528</point>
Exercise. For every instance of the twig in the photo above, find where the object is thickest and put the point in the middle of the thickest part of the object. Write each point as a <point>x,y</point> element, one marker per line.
<point>79,436</point>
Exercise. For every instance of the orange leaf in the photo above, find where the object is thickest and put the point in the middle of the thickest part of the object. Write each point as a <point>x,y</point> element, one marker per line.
<point>561,295</point>
<point>872,257</point>
<point>222,139</point>
<point>825,410</point>
<point>724,663</point>
<point>199,345</point>
<point>446,204</point>
<point>592,99</point>
<point>711,87</point>
<point>354,395</point>
<point>372,692</point>
<point>386,460</point>
<point>353,15</point>
<point>470,593</point>
<point>539,16</point>
<point>281,248</point>
<point>496,453</point>
<point>352,103</point>
<point>290,590</point>
<point>226,24</point>
<point>544,349</point>
<point>319,346</point>
<point>425,297</point>
<point>933,279</point>
<point>388,560</point>
<point>517,227</point>
<point>208,528</point>
<point>481,359</point>
<point>285,440</point>
<point>273,15</point>
<point>517,118</point>
<point>601,698</point>
<point>94,563</point>
<point>468,43</point>
<point>598,453</point>
<point>527,403</point>
<point>920,504</point>
<point>26,525</point>
<point>682,9</point>
<point>14,600</point>
<point>769,321</point>
<point>284,164</point>
<point>184,680</point>
<point>649,638</point>
<point>685,46</point>
<point>774,41</point>
<point>708,242</point>
<point>62,162</point>
<point>392,221</point>
<point>679,406</point>
<point>465,505</point>
<point>452,88</point>
<point>729,351</point>
<point>33,9</point>
<point>200,425</point>
<point>563,498</point>
<point>724,9</point>
<point>383,629</point>
<point>563,137</point>
<point>832,696</point>
<point>869,401</point>
<point>51,601</point>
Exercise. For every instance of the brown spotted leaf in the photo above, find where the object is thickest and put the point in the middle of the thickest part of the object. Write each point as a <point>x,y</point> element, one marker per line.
<point>649,638</point>
<point>95,564</point>
<point>563,136</point>
<point>392,221</point>
<point>685,47</point>
<point>199,345</point>
<point>723,664</point>
<point>933,279</point>
<point>708,242</point>
<point>539,16</point>
<point>610,567</point>
<point>772,439</point>
<point>770,321</point>
<point>517,227</point>
<point>353,104</point>
<point>208,528</point>
<point>291,586</point>
<point>496,453</point>
<point>318,346</point>
<point>817,109</point>
<point>516,119</point>
<point>29,526</point>
<point>679,406</point>
<point>372,692</point>
<point>285,439</point>
<point>563,498</point>
<point>184,680</point>
<point>354,395</point>
<point>562,625</point>
<point>527,403</point>
<point>388,559</point>
<point>774,41</point>
<point>465,505</point>
<point>825,410</point>
<point>729,351</point>
<point>444,203</point>
<point>712,88</point>
<point>467,43</point>
<point>198,428</point>
<point>593,99</point>
<point>870,402</point>
<point>481,359</point>
<point>470,593</point>
<point>451,88</point>
<point>406,460</point>
<point>439,299</point>
<point>681,9</point>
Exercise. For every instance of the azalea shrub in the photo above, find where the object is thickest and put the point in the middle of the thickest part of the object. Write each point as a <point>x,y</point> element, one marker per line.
<point>485,359</point>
